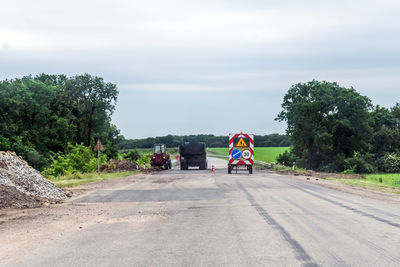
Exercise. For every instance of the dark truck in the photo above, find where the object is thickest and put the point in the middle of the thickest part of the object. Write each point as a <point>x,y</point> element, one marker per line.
<point>193,154</point>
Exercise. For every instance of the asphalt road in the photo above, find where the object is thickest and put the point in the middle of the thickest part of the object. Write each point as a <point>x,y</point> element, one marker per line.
<point>196,218</point>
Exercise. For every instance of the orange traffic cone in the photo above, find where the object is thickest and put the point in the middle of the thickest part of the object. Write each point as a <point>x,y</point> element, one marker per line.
<point>212,169</point>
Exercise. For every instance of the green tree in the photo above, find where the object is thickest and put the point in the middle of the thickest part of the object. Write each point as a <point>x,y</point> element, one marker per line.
<point>40,116</point>
<point>91,102</point>
<point>327,123</point>
<point>386,132</point>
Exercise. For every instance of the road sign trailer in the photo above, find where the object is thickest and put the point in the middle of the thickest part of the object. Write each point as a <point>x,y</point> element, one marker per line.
<point>241,152</point>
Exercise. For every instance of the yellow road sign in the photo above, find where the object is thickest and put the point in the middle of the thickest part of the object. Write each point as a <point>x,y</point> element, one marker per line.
<point>241,143</point>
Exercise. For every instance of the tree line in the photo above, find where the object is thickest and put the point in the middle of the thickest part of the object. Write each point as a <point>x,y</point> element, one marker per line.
<point>41,115</point>
<point>336,129</point>
<point>271,140</point>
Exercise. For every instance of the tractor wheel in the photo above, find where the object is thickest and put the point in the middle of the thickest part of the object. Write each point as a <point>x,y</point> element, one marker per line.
<point>169,165</point>
<point>229,169</point>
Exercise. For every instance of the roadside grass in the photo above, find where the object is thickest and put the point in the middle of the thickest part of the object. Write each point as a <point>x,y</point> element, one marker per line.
<point>84,178</point>
<point>382,182</point>
<point>265,154</point>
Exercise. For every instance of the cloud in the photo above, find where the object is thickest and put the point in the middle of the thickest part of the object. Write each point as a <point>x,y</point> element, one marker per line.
<point>202,56</point>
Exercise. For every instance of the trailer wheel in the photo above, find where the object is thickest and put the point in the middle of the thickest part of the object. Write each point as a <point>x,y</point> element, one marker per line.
<point>250,169</point>
<point>229,169</point>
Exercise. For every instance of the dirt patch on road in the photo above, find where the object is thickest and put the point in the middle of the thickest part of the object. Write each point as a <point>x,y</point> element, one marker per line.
<point>321,175</point>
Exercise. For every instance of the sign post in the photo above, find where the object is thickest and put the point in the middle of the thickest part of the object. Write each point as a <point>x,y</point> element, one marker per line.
<point>98,147</point>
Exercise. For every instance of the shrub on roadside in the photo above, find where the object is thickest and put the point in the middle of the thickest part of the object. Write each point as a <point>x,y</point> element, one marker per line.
<point>286,159</point>
<point>136,156</point>
<point>360,163</point>
<point>79,158</point>
<point>390,163</point>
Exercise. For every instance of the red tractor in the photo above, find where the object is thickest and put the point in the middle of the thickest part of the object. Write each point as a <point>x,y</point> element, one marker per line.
<point>160,157</point>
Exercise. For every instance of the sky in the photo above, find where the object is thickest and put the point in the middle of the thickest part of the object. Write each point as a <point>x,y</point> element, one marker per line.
<point>210,66</point>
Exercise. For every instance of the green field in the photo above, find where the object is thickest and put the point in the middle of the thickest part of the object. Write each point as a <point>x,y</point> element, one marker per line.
<point>266,154</point>
<point>376,181</point>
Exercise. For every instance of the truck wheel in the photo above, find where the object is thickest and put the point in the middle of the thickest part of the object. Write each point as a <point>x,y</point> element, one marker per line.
<point>229,169</point>
<point>250,169</point>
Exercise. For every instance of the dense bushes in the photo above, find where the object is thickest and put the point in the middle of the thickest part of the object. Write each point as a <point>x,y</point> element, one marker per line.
<point>136,156</point>
<point>78,158</point>
<point>287,159</point>
<point>335,129</point>
<point>81,159</point>
<point>390,163</point>
<point>360,164</point>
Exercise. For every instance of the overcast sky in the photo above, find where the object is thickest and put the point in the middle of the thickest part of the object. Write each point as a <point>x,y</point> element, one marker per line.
<point>191,67</point>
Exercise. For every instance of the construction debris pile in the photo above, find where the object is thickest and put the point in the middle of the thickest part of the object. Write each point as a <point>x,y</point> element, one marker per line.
<point>119,165</point>
<point>21,186</point>
<point>126,165</point>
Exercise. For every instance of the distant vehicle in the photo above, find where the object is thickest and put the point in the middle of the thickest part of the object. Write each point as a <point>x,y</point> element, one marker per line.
<point>193,154</point>
<point>160,157</point>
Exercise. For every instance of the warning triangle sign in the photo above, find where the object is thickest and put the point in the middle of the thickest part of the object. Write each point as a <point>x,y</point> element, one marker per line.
<point>241,143</point>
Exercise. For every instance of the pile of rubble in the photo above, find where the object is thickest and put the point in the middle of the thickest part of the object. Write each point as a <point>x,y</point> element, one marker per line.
<point>119,165</point>
<point>23,186</point>
<point>126,165</point>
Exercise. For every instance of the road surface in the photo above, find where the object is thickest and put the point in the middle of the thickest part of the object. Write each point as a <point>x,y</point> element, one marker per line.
<point>196,218</point>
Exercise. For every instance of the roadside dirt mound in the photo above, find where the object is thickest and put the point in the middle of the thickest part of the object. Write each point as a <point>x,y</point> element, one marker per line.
<point>126,165</point>
<point>118,165</point>
<point>16,174</point>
